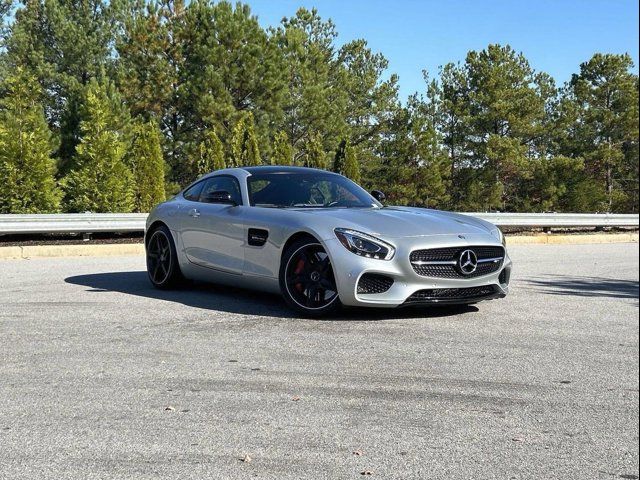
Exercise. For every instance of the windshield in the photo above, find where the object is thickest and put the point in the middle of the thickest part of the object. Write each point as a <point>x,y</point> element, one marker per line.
<point>306,190</point>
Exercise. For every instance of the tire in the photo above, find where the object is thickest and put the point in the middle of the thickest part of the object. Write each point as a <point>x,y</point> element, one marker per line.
<point>162,259</point>
<point>307,281</point>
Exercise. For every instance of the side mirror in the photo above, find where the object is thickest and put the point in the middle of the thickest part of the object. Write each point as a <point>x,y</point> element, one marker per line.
<point>379,196</point>
<point>222,197</point>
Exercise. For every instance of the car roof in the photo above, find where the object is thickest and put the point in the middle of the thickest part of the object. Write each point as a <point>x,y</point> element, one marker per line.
<point>282,169</point>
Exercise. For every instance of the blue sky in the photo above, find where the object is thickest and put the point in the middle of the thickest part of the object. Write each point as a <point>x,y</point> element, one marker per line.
<point>556,36</point>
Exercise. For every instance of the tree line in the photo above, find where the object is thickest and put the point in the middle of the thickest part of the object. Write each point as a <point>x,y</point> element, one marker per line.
<point>111,106</point>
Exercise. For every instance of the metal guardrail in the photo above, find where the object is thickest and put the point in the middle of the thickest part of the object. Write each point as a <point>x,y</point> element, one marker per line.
<point>68,223</point>
<point>559,220</point>
<point>78,223</point>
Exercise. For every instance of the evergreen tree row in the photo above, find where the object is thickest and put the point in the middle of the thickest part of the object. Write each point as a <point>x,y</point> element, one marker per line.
<point>113,105</point>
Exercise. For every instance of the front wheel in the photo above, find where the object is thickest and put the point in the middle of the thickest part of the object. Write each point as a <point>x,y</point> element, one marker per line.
<point>307,280</point>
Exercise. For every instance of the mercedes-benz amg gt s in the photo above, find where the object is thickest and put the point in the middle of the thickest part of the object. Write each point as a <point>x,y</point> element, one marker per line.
<point>321,241</point>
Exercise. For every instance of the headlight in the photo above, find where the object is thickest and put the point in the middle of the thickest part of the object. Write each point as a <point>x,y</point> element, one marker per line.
<point>365,245</point>
<point>500,236</point>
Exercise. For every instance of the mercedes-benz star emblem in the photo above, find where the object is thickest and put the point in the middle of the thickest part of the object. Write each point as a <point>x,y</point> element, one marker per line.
<point>468,262</point>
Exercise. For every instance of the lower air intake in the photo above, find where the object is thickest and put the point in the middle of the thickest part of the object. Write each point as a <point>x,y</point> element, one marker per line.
<point>453,295</point>
<point>505,276</point>
<point>371,283</point>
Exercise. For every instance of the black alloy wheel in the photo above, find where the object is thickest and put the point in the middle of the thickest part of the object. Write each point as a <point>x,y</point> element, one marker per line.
<point>307,279</point>
<point>162,262</point>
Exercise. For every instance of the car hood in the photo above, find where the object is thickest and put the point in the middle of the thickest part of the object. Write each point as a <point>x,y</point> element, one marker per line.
<point>401,222</point>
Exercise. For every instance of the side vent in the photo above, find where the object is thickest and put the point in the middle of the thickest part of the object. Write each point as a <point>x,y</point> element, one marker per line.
<point>257,237</point>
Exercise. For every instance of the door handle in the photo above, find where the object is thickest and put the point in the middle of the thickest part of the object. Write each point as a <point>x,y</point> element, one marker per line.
<point>194,213</point>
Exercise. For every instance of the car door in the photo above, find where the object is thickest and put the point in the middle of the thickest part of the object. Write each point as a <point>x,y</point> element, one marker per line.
<point>213,234</point>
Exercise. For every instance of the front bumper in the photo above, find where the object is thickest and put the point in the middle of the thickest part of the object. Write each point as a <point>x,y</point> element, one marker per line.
<point>408,287</point>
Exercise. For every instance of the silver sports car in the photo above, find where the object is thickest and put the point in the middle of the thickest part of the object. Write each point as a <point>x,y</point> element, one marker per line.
<point>321,241</point>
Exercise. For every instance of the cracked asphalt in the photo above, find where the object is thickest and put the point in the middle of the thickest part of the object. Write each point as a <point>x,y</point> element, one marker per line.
<point>102,377</point>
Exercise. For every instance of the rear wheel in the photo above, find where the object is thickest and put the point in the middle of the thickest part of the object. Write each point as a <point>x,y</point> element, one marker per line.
<point>307,280</point>
<point>162,260</point>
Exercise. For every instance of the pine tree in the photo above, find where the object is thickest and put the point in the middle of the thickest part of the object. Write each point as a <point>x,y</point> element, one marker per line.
<point>397,175</point>
<point>510,106</point>
<point>150,72</point>
<point>145,74</point>
<point>26,168</point>
<point>557,184</point>
<point>351,165</point>
<point>606,94</point>
<point>372,96</point>
<point>231,66</point>
<point>434,163</point>
<point>244,144</point>
<point>339,158</point>
<point>282,152</point>
<point>147,165</point>
<point>100,180</point>
<point>64,44</point>
<point>316,97</point>
<point>416,169</point>
<point>315,157</point>
<point>211,153</point>
<point>251,142</point>
<point>5,10</point>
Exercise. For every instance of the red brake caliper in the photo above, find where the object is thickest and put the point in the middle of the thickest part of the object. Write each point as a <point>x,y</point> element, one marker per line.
<point>298,271</point>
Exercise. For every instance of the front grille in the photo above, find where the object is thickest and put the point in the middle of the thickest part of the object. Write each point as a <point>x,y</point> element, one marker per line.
<point>443,262</point>
<point>444,295</point>
<point>371,283</point>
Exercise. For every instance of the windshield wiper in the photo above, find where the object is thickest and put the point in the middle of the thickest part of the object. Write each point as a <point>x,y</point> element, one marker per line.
<point>268,205</point>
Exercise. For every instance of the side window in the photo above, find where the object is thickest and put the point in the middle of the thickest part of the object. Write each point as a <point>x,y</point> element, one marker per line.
<point>193,193</point>
<point>220,184</point>
<point>258,191</point>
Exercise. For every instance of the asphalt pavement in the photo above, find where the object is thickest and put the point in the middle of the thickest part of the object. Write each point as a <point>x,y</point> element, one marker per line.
<point>102,377</point>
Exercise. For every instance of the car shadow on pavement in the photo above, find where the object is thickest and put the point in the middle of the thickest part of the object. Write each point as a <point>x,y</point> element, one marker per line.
<point>240,301</point>
<point>586,286</point>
